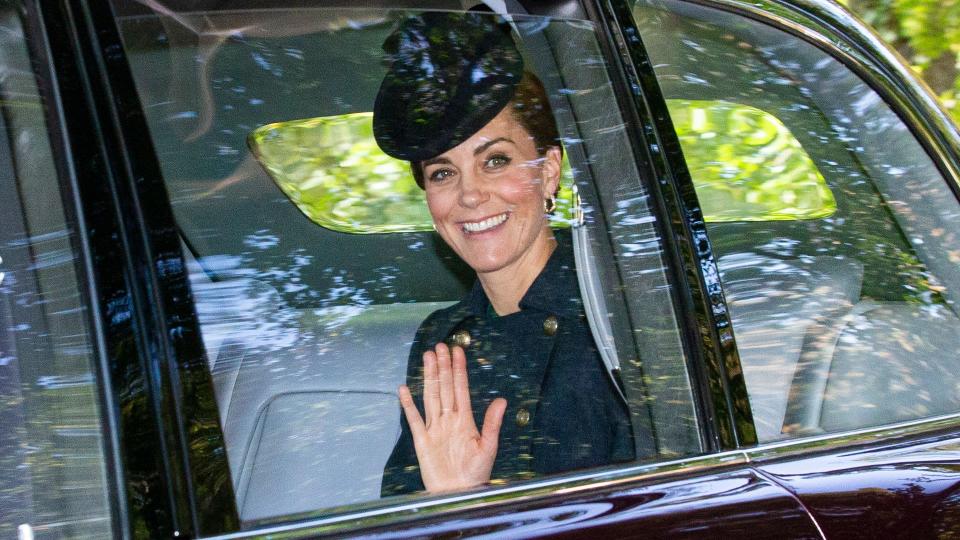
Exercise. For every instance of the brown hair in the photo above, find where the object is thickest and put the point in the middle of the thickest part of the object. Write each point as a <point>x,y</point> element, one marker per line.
<point>531,107</point>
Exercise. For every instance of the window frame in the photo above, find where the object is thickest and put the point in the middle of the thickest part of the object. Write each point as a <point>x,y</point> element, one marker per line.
<point>62,154</point>
<point>149,275</point>
<point>135,287</point>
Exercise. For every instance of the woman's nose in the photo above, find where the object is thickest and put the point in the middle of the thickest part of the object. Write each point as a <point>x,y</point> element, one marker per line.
<point>472,191</point>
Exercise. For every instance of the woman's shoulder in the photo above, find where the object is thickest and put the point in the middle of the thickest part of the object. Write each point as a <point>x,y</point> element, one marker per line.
<point>442,317</point>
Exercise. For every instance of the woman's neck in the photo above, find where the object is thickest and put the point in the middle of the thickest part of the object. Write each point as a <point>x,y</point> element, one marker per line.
<point>506,286</point>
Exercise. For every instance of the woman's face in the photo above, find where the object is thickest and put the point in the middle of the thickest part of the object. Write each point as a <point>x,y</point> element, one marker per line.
<point>486,196</point>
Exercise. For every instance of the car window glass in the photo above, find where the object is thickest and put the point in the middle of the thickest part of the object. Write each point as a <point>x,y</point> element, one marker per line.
<point>308,328</point>
<point>52,476</point>
<point>846,319</point>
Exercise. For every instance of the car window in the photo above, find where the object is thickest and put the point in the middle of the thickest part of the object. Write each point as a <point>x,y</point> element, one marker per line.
<point>52,469</point>
<point>844,317</point>
<point>307,325</point>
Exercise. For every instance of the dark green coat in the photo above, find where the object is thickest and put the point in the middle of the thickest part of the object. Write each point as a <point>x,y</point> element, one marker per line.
<point>563,411</point>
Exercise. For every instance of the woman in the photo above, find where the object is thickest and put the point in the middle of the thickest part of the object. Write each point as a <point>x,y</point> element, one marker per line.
<point>480,136</point>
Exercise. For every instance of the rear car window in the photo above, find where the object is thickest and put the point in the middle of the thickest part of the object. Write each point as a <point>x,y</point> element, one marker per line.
<point>747,165</point>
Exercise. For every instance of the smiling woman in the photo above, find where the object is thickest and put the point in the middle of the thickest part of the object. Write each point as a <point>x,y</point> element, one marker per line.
<point>482,141</point>
<point>488,197</point>
<point>209,329</point>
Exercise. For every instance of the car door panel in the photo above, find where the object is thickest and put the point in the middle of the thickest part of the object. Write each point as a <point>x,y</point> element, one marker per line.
<point>728,504</point>
<point>905,490</point>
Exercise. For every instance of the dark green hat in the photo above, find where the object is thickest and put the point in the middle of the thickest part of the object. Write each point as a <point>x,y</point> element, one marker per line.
<point>449,74</point>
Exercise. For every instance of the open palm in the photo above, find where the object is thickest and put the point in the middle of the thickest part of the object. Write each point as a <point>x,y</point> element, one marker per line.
<point>452,453</point>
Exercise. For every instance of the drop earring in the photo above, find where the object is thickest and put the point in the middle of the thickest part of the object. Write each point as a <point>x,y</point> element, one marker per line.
<point>549,205</point>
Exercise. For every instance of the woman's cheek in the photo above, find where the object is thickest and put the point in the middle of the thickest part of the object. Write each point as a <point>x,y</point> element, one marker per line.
<point>436,207</point>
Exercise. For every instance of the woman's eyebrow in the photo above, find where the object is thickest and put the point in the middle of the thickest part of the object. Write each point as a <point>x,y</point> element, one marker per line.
<point>433,161</point>
<point>488,144</point>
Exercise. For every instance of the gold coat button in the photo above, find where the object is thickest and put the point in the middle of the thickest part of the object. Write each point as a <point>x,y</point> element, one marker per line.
<point>461,338</point>
<point>550,326</point>
<point>523,417</point>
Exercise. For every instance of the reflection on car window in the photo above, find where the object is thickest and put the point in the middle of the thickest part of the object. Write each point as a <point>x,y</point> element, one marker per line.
<point>843,319</point>
<point>52,474</point>
<point>307,328</point>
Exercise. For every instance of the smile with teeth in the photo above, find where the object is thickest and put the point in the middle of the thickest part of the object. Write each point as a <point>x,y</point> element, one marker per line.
<point>486,224</point>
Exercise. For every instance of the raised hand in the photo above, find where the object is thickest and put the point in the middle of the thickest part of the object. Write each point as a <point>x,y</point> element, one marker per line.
<point>452,453</point>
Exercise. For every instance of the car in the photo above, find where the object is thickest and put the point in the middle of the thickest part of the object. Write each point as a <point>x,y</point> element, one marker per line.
<point>210,276</point>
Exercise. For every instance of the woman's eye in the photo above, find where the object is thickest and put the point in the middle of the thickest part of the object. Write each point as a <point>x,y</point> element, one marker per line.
<point>497,161</point>
<point>440,175</point>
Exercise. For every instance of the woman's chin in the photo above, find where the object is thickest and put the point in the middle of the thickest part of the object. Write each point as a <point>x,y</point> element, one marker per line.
<point>486,265</point>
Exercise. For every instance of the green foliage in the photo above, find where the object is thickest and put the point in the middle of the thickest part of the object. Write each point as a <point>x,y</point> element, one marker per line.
<point>335,173</point>
<point>926,33</point>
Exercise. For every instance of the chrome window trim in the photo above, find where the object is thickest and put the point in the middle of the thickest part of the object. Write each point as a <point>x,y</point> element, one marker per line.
<point>842,35</point>
<point>888,433</point>
<point>382,512</point>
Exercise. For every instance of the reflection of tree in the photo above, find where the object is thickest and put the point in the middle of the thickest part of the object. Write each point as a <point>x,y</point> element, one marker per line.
<point>946,518</point>
<point>916,501</point>
<point>926,33</point>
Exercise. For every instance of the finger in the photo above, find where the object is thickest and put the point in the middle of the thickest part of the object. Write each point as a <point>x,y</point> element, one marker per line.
<point>461,385</point>
<point>446,378</point>
<point>492,421</point>
<point>431,387</point>
<point>417,428</point>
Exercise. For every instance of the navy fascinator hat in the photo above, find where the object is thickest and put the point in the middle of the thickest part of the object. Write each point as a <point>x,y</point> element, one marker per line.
<point>448,75</point>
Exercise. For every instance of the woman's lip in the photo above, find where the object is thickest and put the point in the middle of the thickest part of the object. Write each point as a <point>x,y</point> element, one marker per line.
<point>485,224</point>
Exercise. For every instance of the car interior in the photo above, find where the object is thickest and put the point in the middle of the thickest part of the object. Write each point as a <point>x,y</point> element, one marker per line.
<point>307,330</point>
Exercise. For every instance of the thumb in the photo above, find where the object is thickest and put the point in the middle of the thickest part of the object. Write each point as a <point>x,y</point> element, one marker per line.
<point>492,420</point>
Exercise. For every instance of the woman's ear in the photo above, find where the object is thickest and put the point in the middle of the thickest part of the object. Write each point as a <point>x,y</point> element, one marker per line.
<point>551,171</point>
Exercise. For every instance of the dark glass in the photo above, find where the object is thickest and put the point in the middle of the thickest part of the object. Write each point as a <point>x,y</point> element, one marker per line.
<point>844,319</point>
<point>53,481</point>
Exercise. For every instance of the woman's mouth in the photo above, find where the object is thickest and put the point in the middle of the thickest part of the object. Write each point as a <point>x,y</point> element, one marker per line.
<point>474,227</point>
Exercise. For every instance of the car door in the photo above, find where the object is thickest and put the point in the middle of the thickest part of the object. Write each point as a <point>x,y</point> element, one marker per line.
<point>834,226</point>
<point>227,347</point>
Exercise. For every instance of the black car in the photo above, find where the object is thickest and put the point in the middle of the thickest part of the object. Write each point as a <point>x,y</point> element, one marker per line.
<point>210,276</point>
